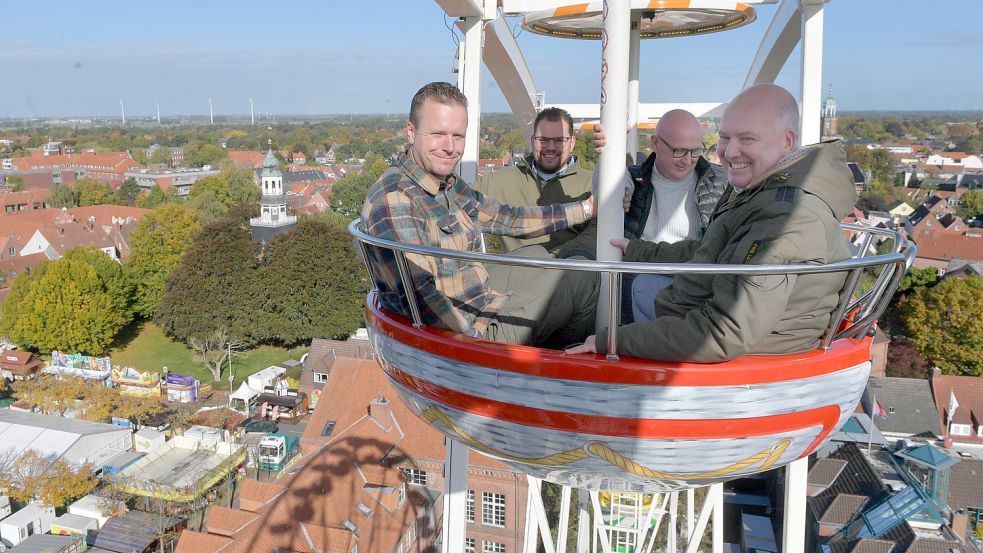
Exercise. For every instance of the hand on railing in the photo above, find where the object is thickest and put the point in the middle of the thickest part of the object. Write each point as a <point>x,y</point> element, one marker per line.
<point>621,243</point>
<point>587,347</point>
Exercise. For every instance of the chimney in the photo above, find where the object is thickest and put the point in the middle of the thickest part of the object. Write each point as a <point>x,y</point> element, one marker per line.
<point>960,524</point>
<point>381,412</point>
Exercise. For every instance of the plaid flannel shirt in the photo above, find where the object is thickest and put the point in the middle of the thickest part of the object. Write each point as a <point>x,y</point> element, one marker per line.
<point>409,205</point>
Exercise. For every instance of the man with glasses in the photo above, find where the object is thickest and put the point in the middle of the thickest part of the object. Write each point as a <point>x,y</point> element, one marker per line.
<point>549,175</point>
<point>676,190</point>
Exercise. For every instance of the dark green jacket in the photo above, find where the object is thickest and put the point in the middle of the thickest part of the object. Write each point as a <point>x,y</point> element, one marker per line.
<point>521,186</point>
<point>789,215</point>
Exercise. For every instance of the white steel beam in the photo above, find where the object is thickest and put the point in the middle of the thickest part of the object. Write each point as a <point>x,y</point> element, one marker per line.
<point>564,522</point>
<point>690,508</point>
<point>717,539</point>
<point>505,62</point>
<point>455,494</point>
<point>794,525</point>
<point>710,502</point>
<point>536,498</point>
<point>583,522</point>
<point>599,532</point>
<point>810,99</point>
<point>647,111</point>
<point>673,510</point>
<point>781,37</point>
<point>462,8</point>
<point>469,81</point>
<point>531,540</point>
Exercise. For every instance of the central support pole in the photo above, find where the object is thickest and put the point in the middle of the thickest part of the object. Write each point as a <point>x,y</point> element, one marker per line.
<point>793,527</point>
<point>469,81</point>
<point>611,165</point>
<point>634,50</point>
<point>455,495</point>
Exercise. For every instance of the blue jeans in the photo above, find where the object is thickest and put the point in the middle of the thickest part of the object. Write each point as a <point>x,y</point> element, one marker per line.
<point>643,291</point>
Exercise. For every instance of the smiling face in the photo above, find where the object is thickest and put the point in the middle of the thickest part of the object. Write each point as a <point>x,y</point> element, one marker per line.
<point>753,136</point>
<point>437,140</point>
<point>677,130</point>
<point>552,156</point>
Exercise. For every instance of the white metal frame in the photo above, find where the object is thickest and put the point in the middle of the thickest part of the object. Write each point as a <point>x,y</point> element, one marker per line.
<point>488,37</point>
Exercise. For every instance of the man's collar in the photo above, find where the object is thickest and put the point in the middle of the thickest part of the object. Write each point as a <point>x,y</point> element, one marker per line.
<point>428,182</point>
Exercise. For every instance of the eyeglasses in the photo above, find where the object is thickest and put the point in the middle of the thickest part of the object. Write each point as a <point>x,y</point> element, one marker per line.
<point>679,153</point>
<point>545,140</point>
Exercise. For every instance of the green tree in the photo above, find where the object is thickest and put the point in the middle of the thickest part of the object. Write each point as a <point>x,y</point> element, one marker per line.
<point>207,206</point>
<point>943,322</point>
<point>161,156</point>
<point>916,278</point>
<point>10,309</point>
<point>127,192</point>
<point>212,287</point>
<point>15,183</point>
<point>156,197</point>
<point>349,193</point>
<point>114,279</point>
<point>971,204</point>
<point>312,285</point>
<point>91,192</point>
<point>198,154</point>
<point>156,247</point>
<point>214,185</point>
<point>62,195</point>
<point>68,308</point>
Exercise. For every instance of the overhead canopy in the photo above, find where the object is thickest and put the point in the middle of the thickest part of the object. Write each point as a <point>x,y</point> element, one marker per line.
<point>244,393</point>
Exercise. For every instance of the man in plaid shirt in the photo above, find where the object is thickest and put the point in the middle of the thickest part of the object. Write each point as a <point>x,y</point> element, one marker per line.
<point>421,201</point>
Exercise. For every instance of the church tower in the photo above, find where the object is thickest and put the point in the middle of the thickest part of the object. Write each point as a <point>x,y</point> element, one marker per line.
<point>273,218</point>
<point>828,124</point>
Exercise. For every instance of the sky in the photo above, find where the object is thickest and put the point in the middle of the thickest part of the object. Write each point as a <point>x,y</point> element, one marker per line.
<point>68,58</point>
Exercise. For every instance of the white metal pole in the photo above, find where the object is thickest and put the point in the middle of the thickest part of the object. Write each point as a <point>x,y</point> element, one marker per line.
<point>634,50</point>
<point>611,165</point>
<point>673,510</point>
<point>157,103</point>
<point>812,71</point>
<point>599,525</point>
<point>561,533</point>
<point>583,522</point>
<point>690,508</point>
<point>718,518</point>
<point>455,494</point>
<point>793,527</point>
<point>469,81</point>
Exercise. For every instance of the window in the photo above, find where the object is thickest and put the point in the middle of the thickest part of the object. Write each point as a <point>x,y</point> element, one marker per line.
<point>961,429</point>
<point>402,493</point>
<point>416,476</point>
<point>469,545</point>
<point>493,509</point>
<point>470,511</point>
<point>979,430</point>
<point>492,547</point>
<point>320,378</point>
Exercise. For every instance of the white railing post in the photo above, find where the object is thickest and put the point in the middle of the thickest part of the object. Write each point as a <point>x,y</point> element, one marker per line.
<point>812,71</point>
<point>469,81</point>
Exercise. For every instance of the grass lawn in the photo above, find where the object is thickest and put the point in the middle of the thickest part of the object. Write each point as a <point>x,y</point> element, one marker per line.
<point>144,346</point>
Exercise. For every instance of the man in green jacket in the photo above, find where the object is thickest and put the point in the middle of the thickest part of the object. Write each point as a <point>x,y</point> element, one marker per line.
<point>784,207</point>
<point>550,175</point>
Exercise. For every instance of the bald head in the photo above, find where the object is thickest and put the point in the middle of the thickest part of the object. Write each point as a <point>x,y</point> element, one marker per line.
<point>759,127</point>
<point>677,130</point>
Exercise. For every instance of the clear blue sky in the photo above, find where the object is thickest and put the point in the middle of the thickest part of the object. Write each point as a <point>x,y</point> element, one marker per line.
<point>65,57</point>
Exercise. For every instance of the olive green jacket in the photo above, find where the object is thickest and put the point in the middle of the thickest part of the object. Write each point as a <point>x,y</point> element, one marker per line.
<point>521,186</point>
<point>789,215</point>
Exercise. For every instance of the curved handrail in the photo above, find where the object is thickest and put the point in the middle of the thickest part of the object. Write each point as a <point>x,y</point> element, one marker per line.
<point>853,318</point>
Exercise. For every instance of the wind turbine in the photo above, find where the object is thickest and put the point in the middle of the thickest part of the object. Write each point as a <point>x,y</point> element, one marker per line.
<point>211,115</point>
<point>252,114</point>
<point>157,103</point>
<point>122,111</point>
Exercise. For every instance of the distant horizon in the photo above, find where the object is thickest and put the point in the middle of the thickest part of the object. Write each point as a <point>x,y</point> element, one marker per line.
<point>64,57</point>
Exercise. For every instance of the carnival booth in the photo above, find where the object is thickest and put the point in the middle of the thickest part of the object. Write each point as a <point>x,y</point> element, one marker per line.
<point>243,400</point>
<point>97,369</point>
<point>132,382</point>
<point>182,388</point>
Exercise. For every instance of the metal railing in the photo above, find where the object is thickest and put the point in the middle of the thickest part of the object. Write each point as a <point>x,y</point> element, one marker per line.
<point>854,316</point>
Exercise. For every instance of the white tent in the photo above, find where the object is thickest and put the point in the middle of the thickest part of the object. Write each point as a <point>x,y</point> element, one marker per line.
<point>241,399</point>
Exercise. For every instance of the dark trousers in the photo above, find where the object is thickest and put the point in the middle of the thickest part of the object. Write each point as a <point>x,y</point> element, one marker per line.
<point>546,307</point>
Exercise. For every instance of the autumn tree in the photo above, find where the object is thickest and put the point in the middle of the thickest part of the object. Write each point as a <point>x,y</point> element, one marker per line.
<point>35,477</point>
<point>971,204</point>
<point>138,408</point>
<point>904,361</point>
<point>15,183</point>
<point>68,307</point>
<point>92,192</point>
<point>161,156</point>
<point>944,323</point>
<point>52,395</point>
<point>198,154</point>
<point>156,247</point>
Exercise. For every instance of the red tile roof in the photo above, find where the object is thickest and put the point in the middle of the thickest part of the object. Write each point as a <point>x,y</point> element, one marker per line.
<point>27,197</point>
<point>261,493</point>
<point>969,396</point>
<point>196,542</point>
<point>225,521</point>
<point>116,162</point>
<point>247,159</point>
<point>945,246</point>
